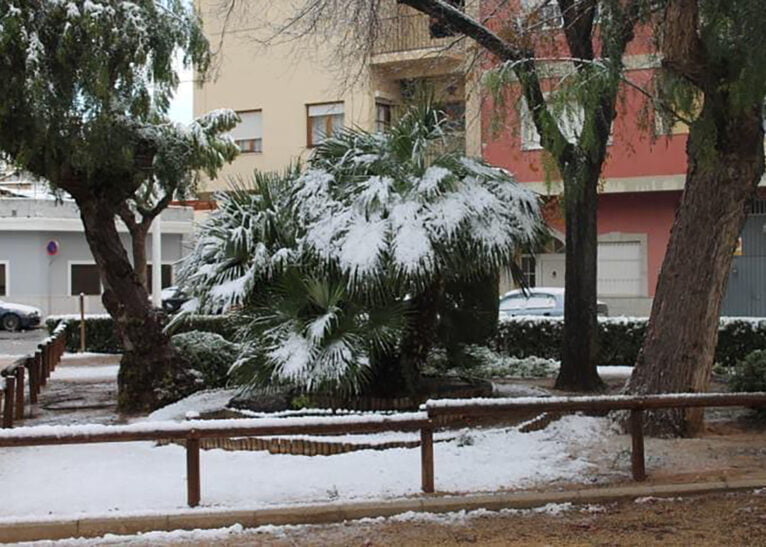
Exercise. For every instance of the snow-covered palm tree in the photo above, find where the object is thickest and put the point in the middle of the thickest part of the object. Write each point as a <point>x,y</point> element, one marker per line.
<point>380,220</point>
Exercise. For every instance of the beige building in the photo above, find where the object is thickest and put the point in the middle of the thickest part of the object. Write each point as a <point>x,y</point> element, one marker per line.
<point>291,92</point>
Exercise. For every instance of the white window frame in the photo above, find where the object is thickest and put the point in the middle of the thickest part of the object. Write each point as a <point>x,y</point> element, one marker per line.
<point>550,13</point>
<point>242,136</point>
<point>170,263</point>
<point>7,265</point>
<point>571,129</point>
<point>71,263</point>
<point>332,110</point>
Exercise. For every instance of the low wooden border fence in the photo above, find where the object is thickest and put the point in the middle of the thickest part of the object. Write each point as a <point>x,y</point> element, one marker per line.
<point>37,368</point>
<point>636,405</point>
<point>191,432</point>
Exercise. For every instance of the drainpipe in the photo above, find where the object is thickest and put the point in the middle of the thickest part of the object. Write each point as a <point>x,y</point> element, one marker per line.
<point>157,262</point>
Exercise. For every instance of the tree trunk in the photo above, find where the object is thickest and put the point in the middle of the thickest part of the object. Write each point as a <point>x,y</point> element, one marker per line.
<point>399,375</point>
<point>725,154</point>
<point>151,372</point>
<point>580,337</point>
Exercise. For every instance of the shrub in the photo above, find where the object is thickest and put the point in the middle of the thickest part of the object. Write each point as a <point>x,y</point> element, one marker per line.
<point>749,374</point>
<point>620,338</point>
<point>210,354</point>
<point>100,336</point>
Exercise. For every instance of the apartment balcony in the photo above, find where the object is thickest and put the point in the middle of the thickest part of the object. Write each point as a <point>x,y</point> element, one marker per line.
<point>408,39</point>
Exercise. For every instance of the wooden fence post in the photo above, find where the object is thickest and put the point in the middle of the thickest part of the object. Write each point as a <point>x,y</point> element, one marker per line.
<point>192,469</point>
<point>39,370</point>
<point>10,390</point>
<point>20,393</point>
<point>427,459</point>
<point>637,436</point>
<point>33,380</point>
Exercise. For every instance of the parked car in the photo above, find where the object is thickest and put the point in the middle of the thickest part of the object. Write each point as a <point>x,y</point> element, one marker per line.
<point>18,316</point>
<point>173,298</point>
<point>547,301</point>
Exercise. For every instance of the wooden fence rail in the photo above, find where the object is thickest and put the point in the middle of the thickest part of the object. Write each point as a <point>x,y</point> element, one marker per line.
<point>32,371</point>
<point>635,404</point>
<point>191,432</point>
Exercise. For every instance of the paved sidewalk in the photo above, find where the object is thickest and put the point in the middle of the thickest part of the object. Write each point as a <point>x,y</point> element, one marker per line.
<point>40,529</point>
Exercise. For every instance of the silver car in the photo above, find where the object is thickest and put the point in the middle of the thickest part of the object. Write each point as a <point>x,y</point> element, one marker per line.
<point>546,301</point>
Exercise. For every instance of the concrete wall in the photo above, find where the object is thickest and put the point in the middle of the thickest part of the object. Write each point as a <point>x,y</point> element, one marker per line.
<point>35,278</point>
<point>40,280</point>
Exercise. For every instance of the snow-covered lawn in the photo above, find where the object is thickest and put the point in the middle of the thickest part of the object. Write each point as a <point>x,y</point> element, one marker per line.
<point>140,477</point>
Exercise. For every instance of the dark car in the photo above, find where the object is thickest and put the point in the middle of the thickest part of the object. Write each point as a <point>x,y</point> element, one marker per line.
<point>547,301</point>
<point>173,298</point>
<point>18,316</point>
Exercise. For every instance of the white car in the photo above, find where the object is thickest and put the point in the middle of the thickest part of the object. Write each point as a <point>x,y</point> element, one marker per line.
<point>546,301</point>
<point>18,316</point>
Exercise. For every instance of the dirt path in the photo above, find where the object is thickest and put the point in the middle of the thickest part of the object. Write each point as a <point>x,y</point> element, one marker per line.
<point>724,519</point>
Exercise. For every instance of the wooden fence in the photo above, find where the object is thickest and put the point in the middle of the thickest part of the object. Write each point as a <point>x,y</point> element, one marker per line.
<point>192,432</point>
<point>34,371</point>
<point>636,405</point>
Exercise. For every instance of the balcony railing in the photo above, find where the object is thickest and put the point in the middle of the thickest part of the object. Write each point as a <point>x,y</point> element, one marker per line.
<point>408,33</point>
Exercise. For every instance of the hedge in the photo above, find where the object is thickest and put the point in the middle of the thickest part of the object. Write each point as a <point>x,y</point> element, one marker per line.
<point>620,338</point>
<point>100,336</point>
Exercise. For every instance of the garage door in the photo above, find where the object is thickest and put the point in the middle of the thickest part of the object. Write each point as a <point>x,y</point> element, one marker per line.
<point>619,269</point>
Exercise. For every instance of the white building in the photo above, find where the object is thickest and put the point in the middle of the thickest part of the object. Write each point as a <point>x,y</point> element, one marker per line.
<point>45,260</point>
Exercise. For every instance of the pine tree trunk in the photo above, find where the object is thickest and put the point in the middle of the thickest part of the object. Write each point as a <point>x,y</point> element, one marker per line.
<point>580,337</point>
<point>151,371</point>
<point>678,351</point>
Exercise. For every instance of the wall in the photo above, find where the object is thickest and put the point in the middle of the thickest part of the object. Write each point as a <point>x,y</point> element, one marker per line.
<point>280,80</point>
<point>37,279</point>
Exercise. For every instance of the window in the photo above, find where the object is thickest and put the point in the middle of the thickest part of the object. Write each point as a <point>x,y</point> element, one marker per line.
<point>167,276</point>
<point>543,13</point>
<point>569,117</point>
<point>85,279</point>
<point>438,28</point>
<point>324,120</point>
<point>570,122</point>
<point>248,134</point>
<point>3,279</point>
<point>529,270</point>
<point>383,116</point>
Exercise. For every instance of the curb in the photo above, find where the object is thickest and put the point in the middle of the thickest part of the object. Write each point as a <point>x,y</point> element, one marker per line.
<point>52,529</point>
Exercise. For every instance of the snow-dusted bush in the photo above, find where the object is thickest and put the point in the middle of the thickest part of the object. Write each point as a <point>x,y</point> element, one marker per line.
<point>483,362</point>
<point>324,260</point>
<point>211,355</point>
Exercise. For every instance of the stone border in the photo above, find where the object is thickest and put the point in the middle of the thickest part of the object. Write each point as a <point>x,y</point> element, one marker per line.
<point>337,512</point>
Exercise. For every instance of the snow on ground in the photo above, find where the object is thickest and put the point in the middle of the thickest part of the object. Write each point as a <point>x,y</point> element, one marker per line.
<point>615,372</point>
<point>195,404</point>
<point>86,373</point>
<point>72,480</point>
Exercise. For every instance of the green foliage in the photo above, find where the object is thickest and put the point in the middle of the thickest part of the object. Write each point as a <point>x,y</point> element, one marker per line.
<point>480,361</point>
<point>326,262</point>
<point>102,74</point>
<point>209,354</point>
<point>620,339</point>
<point>749,374</point>
<point>100,336</point>
<point>316,334</point>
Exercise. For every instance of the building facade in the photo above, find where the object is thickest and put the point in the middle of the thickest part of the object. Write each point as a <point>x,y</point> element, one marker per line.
<point>291,94</point>
<point>45,260</point>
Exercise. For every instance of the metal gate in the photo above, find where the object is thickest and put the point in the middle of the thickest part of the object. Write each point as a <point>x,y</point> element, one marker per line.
<point>746,291</point>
